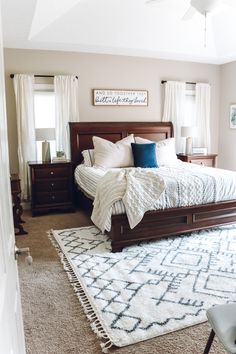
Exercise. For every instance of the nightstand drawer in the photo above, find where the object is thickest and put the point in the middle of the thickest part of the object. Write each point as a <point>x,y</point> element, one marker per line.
<point>55,172</point>
<point>203,162</point>
<point>51,198</point>
<point>52,185</point>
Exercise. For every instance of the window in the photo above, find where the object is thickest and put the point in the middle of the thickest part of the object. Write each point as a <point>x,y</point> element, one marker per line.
<point>190,106</point>
<point>44,105</point>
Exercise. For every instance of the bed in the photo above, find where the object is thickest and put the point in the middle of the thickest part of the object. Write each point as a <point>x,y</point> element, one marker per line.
<point>158,223</point>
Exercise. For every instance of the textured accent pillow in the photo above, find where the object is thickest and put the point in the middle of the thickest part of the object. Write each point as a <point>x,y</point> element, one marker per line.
<point>109,155</point>
<point>144,155</point>
<point>88,156</point>
<point>165,150</point>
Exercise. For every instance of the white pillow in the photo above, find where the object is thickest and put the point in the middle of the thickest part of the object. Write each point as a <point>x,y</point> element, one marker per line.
<point>88,156</point>
<point>165,150</point>
<point>109,155</point>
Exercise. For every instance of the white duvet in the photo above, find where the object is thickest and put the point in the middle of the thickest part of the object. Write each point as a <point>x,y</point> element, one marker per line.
<point>182,184</point>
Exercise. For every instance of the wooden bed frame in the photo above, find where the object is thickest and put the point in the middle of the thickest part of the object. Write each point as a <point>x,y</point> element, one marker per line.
<point>159,223</point>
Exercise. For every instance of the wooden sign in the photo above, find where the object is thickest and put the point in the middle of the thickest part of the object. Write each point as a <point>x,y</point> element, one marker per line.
<point>108,97</point>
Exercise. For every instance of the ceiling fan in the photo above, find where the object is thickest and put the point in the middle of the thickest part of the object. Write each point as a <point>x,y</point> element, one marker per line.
<point>204,7</point>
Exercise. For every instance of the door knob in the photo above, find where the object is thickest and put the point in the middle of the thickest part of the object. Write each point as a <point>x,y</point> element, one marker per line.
<point>25,251</point>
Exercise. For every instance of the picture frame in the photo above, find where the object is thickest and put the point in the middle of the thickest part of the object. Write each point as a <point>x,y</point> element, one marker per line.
<point>120,97</point>
<point>200,150</point>
<point>232,116</point>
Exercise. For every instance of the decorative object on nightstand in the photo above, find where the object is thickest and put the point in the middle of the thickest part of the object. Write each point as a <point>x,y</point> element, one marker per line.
<point>61,154</point>
<point>45,135</point>
<point>61,157</point>
<point>17,207</point>
<point>208,160</point>
<point>188,133</point>
<point>200,150</point>
<point>51,186</point>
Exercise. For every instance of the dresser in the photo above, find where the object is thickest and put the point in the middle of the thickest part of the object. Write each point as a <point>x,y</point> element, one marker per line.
<point>51,186</point>
<point>204,160</point>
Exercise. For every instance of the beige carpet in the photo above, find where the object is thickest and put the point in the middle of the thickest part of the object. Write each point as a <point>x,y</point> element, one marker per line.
<point>53,318</point>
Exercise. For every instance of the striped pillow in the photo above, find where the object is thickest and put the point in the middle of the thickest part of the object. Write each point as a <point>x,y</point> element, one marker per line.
<point>88,156</point>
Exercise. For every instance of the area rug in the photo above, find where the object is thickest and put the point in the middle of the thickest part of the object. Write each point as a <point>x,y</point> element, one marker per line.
<point>151,288</point>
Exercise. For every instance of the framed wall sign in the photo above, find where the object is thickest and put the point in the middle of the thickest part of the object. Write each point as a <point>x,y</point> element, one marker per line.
<point>232,116</point>
<point>106,97</point>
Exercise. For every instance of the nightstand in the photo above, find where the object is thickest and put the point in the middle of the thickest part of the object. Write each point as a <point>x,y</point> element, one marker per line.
<point>51,186</point>
<point>208,160</point>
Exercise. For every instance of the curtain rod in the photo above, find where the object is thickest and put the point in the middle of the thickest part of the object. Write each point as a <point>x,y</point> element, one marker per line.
<point>12,76</point>
<point>188,83</point>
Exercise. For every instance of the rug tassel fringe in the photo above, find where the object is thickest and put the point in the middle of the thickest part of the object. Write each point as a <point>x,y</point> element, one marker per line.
<point>84,301</point>
<point>106,346</point>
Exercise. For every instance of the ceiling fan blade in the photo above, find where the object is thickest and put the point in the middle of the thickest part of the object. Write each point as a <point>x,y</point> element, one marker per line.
<point>189,14</point>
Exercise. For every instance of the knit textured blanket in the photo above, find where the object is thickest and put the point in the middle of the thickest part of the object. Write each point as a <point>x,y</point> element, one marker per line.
<point>138,189</point>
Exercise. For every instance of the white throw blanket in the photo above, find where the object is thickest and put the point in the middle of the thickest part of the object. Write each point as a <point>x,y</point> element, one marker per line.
<point>138,189</point>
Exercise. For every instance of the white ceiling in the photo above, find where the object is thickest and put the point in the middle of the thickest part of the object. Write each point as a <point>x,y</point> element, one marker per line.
<point>124,27</point>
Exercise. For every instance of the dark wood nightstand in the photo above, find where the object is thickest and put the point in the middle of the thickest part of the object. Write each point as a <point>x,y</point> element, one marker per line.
<point>208,160</point>
<point>51,186</point>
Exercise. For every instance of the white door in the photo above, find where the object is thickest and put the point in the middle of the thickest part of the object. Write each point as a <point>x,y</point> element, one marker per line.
<point>11,325</point>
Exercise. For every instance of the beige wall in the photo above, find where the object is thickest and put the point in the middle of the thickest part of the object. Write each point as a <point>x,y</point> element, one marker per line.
<point>108,71</point>
<point>227,136</point>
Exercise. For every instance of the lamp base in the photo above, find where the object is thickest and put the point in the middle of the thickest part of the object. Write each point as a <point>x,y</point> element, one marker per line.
<point>189,146</point>
<point>46,155</point>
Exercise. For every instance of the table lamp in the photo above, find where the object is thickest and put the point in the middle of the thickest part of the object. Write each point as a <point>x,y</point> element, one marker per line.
<point>188,133</point>
<point>45,135</point>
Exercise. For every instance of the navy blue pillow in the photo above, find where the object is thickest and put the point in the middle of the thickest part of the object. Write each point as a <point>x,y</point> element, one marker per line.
<point>144,155</point>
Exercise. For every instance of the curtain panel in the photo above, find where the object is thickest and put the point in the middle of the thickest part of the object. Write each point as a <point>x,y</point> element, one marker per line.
<point>67,109</point>
<point>24,95</point>
<point>203,104</point>
<point>174,109</point>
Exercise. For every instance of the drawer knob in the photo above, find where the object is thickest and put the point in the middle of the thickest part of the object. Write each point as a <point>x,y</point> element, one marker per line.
<point>52,173</point>
<point>52,184</point>
<point>53,197</point>
<point>202,163</point>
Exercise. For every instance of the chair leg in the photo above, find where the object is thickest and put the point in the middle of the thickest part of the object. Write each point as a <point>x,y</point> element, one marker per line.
<point>209,342</point>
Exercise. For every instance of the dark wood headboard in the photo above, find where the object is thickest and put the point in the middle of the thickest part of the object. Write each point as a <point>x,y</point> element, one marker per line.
<point>81,133</point>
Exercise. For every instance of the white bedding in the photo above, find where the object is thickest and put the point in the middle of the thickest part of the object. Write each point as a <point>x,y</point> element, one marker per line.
<point>185,185</point>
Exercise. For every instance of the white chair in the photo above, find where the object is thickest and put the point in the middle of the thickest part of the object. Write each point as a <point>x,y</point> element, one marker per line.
<point>223,322</point>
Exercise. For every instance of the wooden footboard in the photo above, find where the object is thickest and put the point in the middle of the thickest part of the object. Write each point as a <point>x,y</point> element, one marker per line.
<point>170,222</point>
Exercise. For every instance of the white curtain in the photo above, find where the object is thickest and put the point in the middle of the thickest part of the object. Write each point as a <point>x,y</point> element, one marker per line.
<point>203,103</point>
<point>24,93</point>
<point>174,109</point>
<point>67,109</point>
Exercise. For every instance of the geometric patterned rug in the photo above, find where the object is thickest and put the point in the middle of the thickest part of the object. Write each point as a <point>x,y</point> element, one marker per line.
<point>151,288</point>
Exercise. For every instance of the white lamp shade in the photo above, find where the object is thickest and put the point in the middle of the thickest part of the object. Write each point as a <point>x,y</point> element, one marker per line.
<point>188,131</point>
<point>45,134</point>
